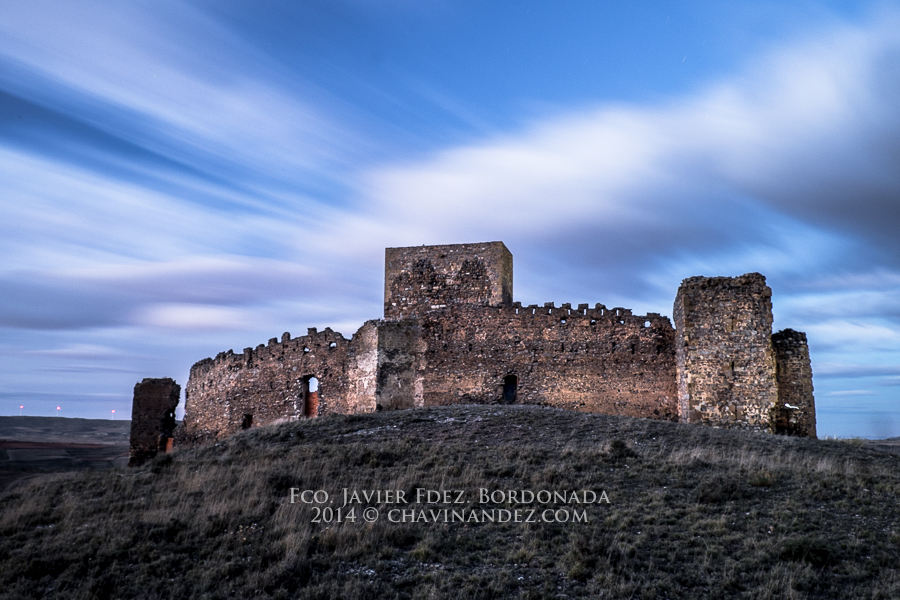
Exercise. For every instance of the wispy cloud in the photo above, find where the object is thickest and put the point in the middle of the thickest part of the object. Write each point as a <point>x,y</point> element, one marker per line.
<point>166,178</point>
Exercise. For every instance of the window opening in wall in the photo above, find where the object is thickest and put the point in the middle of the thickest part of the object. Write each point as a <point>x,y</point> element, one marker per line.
<point>510,389</point>
<point>310,396</point>
<point>247,423</point>
<point>646,323</point>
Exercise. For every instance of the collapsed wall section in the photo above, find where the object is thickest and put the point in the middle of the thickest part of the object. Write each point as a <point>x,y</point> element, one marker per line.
<point>588,359</point>
<point>724,357</point>
<point>423,278</point>
<point>795,413</point>
<point>152,418</point>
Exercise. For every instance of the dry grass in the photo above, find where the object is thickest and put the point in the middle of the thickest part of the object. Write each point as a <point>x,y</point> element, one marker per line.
<point>693,513</point>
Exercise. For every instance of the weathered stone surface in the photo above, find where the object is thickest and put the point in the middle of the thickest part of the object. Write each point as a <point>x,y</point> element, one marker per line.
<point>271,382</point>
<point>725,362</point>
<point>424,278</point>
<point>152,418</point>
<point>795,413</point>
<point>451,334</point>
<point>597,359</point>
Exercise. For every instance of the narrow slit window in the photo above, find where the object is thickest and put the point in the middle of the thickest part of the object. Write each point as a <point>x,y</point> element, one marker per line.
<point>510,389</point>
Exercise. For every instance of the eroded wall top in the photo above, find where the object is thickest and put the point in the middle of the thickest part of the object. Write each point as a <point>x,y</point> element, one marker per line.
<point>423,278</point>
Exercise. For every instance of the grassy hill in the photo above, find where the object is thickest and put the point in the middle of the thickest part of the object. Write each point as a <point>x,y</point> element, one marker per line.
<point>693,512</point>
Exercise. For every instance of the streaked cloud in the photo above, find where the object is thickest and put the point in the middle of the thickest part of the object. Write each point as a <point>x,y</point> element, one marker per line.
<point>174,187</point>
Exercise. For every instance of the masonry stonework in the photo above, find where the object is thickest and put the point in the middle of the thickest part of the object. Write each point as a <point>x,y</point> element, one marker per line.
<point>726,365</point>
<point>452,334</point>
<point>152,418</point>
<point>795,413</point>
<point>424,278</point>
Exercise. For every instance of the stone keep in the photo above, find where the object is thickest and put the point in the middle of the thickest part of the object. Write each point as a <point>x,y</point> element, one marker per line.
<point>452,334</point>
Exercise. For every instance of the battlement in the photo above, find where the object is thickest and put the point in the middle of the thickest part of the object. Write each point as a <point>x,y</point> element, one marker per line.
<point>795,413</point>
<point>313,341</point>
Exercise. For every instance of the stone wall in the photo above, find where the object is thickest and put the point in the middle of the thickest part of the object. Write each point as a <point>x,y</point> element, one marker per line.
<point>423,278</point>
<point>152,418</point>
<point>589,359</point>
<point>796,410</point>
<point>724,357</point>
<point>270,382</point>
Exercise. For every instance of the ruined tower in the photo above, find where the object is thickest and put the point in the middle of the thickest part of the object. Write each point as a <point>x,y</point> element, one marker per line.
<point>795,413</point>
<point>723,351</point>
<point>152,418</point>
<point>423,278</point>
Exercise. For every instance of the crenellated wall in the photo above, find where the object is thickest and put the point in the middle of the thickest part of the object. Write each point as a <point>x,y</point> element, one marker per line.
<point>423,278</point>
<point>452,334</point>
<point>261,385</point>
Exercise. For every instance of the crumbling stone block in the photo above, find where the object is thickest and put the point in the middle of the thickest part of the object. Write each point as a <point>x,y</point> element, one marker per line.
<point>152,418</point>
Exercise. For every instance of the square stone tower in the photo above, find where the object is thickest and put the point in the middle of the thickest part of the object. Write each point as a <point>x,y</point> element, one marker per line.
<point>423,278</point>
<point>724,357</point>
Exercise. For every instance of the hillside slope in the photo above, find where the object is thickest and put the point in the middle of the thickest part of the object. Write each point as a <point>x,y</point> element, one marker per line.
<point>692,512</point>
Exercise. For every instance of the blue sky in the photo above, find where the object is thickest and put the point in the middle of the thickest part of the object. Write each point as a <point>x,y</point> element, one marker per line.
<point>181,178</point>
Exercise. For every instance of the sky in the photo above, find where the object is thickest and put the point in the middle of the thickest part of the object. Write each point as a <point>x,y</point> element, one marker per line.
<point>178,178</point>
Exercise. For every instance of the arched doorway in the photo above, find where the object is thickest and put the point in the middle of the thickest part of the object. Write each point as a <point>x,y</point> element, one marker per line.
<point>510,389</point>
<point>310,396</point>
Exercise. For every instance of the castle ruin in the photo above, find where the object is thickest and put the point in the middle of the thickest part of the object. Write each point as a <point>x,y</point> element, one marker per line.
<point>452,334</point>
